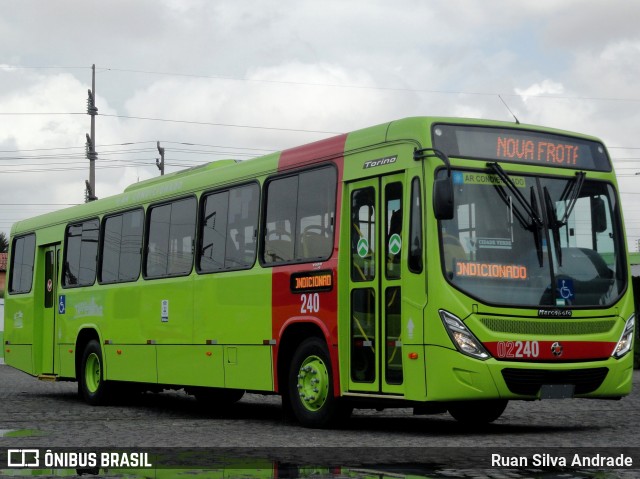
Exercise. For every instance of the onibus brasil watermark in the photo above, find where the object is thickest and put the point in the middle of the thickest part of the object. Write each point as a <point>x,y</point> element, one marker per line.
<point>35,458</point>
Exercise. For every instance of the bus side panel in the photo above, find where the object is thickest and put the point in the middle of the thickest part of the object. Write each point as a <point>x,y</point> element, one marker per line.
<point>19,324</point>
<point>248,367</point>
<point>129,362</point>
<point>200,365</point>
<point>166,310</point>
<point>20,357</point>
<point>233,309</point>
<point>67,362</point>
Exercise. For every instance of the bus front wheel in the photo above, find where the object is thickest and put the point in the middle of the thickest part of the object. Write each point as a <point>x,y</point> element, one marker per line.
<point>311,386</point>
<point>476,413</point>
<point>91,384</point>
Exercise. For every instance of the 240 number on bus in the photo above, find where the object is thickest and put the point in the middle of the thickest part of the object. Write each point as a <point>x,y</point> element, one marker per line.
<point>518,349</point>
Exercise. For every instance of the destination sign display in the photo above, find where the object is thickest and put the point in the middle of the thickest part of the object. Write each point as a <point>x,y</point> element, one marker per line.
<point>312,281</point>
<point>520,146</point>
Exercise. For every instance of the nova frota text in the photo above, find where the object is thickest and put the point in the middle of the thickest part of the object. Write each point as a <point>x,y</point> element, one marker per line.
<point>549,460</point>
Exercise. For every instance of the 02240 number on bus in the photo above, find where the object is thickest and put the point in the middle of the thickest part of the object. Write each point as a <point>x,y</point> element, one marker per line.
<point>518,349</point>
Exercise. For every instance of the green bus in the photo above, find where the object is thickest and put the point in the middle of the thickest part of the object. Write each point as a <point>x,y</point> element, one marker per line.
<point>436,263</point>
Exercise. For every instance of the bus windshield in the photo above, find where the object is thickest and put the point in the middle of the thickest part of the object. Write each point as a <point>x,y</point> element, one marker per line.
<point>534,241</point>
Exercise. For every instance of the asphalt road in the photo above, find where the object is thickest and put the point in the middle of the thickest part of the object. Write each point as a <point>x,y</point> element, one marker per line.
<point>50,415</point>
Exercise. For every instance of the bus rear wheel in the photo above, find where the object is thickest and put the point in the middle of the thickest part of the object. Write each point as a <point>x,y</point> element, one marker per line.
<point>91,384</point>
<point>310,386</point>
<point>477,413</point>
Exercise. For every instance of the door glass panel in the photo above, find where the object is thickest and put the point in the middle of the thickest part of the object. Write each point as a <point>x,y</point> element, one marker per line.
<point>363,335</point>
<point>393,363</point>
<point>415,229</point>
<point>49,279</point>
<point>363,233</point>
<point>393,223</point>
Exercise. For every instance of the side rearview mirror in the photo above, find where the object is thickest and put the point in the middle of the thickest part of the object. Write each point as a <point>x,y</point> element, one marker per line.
<point>598,215</point>
<point>443,198</point>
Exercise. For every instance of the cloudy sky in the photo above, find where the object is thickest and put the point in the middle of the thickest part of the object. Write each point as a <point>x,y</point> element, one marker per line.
<point>215,79</point>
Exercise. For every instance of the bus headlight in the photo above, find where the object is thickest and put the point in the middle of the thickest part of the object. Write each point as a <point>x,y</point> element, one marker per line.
<point>462,338</point>
<point>626,340</point>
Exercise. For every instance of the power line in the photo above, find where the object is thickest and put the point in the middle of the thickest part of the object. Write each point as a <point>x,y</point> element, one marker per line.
<point>229,125</point>
<point>169,120</point>
<point>338,85</point>
<point>367,87</point>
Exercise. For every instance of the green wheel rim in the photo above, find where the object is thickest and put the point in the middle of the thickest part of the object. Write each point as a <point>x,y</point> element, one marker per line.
<point>313,383</point>
<point>92,373</point>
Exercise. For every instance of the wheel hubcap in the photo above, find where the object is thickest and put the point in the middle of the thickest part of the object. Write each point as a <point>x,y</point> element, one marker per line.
<point>313,383</point>
<point>92,372</point>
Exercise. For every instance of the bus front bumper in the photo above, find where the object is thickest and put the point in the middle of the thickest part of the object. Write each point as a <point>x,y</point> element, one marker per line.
<point>454,376</point>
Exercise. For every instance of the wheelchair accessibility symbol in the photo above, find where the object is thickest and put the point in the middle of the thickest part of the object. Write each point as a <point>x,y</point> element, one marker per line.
<point>565,289</point>
<point>62,304</point>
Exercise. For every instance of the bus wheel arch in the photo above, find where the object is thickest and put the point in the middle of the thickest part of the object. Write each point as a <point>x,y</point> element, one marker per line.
<point>84,336</point>
<point>306,375</point>
<point>92,386</point>
<point>290,339</point>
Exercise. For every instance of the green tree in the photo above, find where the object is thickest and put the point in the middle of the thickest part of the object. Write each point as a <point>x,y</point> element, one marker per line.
<point>4,243</point>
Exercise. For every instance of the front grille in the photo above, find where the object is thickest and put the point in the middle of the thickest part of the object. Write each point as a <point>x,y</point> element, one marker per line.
<point>548,328</point>
<point>529,381</point>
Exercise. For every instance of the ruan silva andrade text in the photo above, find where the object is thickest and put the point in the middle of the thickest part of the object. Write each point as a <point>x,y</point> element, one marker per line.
<point>549,460</point>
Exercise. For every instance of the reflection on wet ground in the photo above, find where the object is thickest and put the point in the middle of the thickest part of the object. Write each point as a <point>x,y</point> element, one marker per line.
<point>21,433</point>
<point>292,472</point>
<point>195,464</point>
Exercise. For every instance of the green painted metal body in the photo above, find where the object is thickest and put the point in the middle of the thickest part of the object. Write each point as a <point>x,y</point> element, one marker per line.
<point>220,330</point>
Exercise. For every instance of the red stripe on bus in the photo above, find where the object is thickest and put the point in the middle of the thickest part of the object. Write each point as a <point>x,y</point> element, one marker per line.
<point>286,306</point>
<point>549,350</point>
<point>319,151</point>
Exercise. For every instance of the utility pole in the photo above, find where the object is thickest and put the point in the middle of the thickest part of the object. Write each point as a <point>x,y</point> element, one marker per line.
<point>160,162</point>
<point>91,139</point>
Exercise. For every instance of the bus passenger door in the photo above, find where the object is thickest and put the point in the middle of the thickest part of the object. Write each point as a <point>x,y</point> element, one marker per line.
<point>49,311</point>
<point>375,296</point>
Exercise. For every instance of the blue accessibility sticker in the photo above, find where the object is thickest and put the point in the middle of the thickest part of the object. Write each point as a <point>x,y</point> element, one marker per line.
<point>565,290</point>
<point>62,304</point>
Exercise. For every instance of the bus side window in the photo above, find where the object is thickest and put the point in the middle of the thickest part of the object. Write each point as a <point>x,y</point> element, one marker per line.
<point>121,247</point>
<point>171,236</point>
<point>22,258</point>
<point>282,196</point>
<point>228,229</point>
<point>300,216</point>
<point>81,253</point>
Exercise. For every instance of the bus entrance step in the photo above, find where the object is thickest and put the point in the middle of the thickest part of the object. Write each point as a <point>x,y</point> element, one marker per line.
<point>48,377</point>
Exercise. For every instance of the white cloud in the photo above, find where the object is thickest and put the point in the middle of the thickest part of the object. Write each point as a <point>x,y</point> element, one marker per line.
<point>544,88</point>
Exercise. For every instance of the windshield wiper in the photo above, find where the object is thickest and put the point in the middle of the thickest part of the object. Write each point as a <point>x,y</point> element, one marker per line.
<point>535,225</point>
<point>571,193</point>
<point>537,230</point>
<point>528,207</point>
<point>554,224</point>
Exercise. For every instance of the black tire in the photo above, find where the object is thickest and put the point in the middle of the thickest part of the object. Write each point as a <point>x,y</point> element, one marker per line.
<point>92,386</point>
<point>477,413</point>
<point>310,387</point>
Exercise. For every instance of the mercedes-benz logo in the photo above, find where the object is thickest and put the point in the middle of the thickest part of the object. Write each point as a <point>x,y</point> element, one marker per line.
<point>556,349</point>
